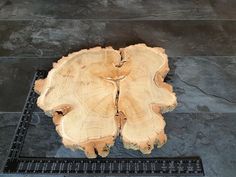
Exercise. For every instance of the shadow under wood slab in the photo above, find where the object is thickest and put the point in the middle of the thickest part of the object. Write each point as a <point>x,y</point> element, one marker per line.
<point>94,95</point>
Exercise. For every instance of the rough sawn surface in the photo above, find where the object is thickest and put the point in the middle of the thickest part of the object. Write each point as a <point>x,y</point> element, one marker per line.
<point>96,94</point>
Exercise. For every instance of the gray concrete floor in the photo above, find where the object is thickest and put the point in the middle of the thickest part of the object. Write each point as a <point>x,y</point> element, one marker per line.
<point>199,37</point>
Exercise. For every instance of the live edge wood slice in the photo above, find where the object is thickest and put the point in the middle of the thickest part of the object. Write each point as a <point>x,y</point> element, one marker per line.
<point>97,94</point>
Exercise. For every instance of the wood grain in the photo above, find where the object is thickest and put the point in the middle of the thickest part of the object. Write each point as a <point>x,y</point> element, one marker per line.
<point>95,94</point>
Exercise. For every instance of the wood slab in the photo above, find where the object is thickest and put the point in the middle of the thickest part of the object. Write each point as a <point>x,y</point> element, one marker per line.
<point>96,94</point>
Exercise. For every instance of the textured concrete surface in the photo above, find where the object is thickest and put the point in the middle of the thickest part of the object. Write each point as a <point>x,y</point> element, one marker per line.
<point>54,38</point>
<point>108,9</point>
<point>199,36</point>
<point>204,84</point>
<point>119,9</point>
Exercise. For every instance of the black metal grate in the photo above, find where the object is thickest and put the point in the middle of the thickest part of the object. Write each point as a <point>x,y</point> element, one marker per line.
<point>15,163</point>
